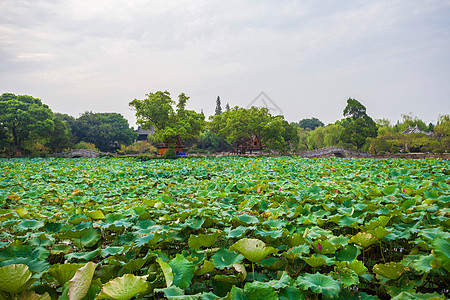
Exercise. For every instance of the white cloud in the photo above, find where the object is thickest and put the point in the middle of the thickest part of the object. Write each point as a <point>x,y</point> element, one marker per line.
<point>308,56</point>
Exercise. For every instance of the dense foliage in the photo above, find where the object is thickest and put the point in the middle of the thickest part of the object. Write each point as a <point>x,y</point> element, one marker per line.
<point>238,124</point>
<point>23,119</point>
<point>157,111</point>
<point>239,228</point>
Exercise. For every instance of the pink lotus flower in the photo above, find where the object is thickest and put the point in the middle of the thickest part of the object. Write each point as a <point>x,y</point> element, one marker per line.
<point>280,189</point>
<point>319,247</point>
<point>404,190</point>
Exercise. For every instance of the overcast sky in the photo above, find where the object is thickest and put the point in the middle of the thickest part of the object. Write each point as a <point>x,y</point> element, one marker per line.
<point>308,57</point>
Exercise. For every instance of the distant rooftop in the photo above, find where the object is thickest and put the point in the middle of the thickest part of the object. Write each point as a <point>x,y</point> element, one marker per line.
<point>416,129</point>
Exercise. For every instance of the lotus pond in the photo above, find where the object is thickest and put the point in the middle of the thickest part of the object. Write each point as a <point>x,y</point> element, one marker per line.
<point>232,228</point>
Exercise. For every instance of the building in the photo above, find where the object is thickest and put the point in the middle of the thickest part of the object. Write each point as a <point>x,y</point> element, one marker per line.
<point>416,129</point>
<point>253,143</point>
<point>143,134</point>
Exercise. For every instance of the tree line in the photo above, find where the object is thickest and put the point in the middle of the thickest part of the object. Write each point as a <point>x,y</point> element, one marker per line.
<point>30,128</point>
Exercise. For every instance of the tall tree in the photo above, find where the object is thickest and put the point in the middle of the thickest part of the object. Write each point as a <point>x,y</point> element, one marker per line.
<point>23,118</point>
<point>311,123</point>
<point>157,110</point>
<point>442,130</point>
<point>107,131</point>
<point>218,110</point>
<point>227,107</point>
<point>238,124</point>
<point>359,126</point>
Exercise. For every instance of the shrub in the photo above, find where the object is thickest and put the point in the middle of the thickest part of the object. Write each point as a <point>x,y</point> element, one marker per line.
<point>170,154</point>
<point>85,145</point>
<point>394,149</point>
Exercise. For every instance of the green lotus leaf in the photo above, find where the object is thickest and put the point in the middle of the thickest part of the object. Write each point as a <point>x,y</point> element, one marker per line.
<point>423,263</point>
<point>319,284</point>
<point>363,239</point>
<point>96,214</point>
<point>81,281</point>
<point>57,249</point>
<point>441,249</point>
<point>84,256</point>
<point>284,281</point>
<point>391,270</point>
<point>315,261</point>
<point>15,279</point>
<point>245,219</point>
<point>348,253</point>
<point>225,259</point>
<point>29,225</point>
<point>347,277</point>
<point>63,273</point>
<point>324,247</point>
<point>253,249</point>
<point>379,232</point>
<point>174,292</point>
<point>235,294</point>
<point>238,231</point>
<point>207,267</point>
<point>31,295</point>
<point>21,212</point>
<point>148,238</point>
<point>291,293</point>
<point>89,238</point>
<point>203,240</point>
<point>356,266</point>
<point>167,271</point>
<point>391,190</point>
<point>111,251</point>
<point>417,296</point>
<point>53,227</point>
<point>183,271</point>
<point>258,290</point>
<point>124,288</point>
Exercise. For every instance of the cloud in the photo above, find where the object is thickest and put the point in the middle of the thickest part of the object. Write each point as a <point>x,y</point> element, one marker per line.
<point>308,56</point>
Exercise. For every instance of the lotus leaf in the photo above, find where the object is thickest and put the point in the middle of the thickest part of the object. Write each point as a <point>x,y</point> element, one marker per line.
<point>348,253</point>
<point>418,296</point>
<point>203,240</point>
<point>390,270</point>
<point>258,290</point>
<point>81,281</point>
<point>253,249</point>
<point>324,247</point>
<point>225,259</point>
<point>15,279</point>
<point>291,293</point>
<point>63,273</point>
<point>441,248</point>
<point>319,284</point>
<point>183,271</point>
<point>363,239</point>
<point>207,267</point>
<point>124,288</point>
<point>167,271</point>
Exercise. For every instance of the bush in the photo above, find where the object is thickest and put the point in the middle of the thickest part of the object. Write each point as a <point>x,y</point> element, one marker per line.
<point>139,147</point>
<point>170,154</point>
<point>85,145</point>
<point>394,149</point>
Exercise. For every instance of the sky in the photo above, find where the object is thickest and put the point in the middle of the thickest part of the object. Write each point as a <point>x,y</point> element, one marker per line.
<point>302,59</point>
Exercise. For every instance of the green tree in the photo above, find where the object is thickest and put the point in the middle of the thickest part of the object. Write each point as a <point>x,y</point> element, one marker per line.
<point>354,109</point>
<point>23,119</point>
<point>107,131</point>
<point>60,137</point>
<point>311,123</point>
<point>238,124</point>
<point>227,107</point>
<point>218,110</point>
<point>442,130</point>
<point>359,125</point>
<point>157,110</point>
